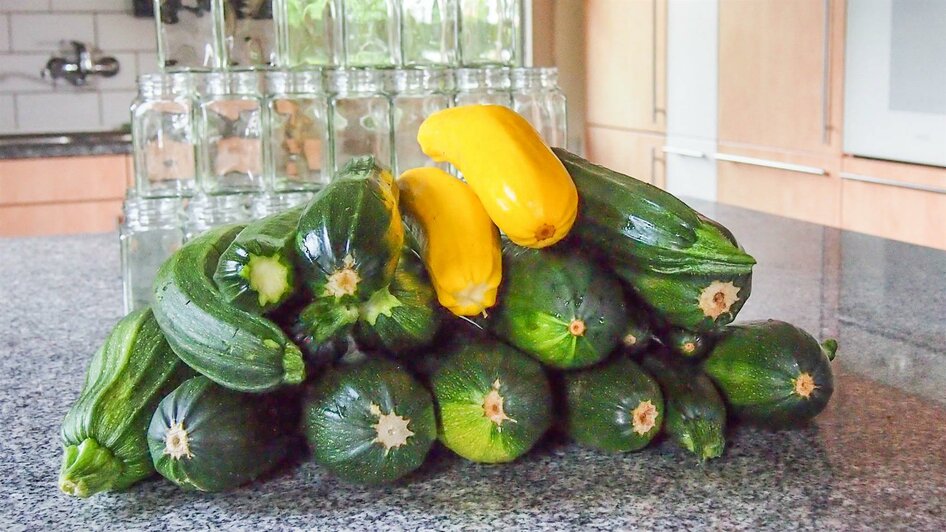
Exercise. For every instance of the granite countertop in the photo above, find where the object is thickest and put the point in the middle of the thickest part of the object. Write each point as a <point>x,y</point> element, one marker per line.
<point>64,145</point>
<point>876,458</point>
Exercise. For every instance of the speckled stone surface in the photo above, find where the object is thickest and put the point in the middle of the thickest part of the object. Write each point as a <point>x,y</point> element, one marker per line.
<point>875,459</point>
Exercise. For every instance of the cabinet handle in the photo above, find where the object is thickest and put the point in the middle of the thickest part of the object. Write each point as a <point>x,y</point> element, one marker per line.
<point>653,60</point>
<point>696,154</point>
<point>653,165</point>
<point>802,169</point>
<point>847,176</point>
<point>825,75</point>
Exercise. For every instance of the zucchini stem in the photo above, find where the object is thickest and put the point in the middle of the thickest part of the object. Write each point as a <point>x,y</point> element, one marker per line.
<point>88,469</point>
<point>830,348</point>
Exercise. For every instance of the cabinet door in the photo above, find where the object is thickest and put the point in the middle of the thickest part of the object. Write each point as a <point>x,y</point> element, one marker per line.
<point>804,187</point>
<point>899,201</point>
<point>636,154</point>
<point>691,170</point>
<point>780,68</point>
<point>626,63</point>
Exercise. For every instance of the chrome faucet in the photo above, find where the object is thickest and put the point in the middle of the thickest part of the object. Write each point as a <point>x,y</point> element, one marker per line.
<point>75,62</point>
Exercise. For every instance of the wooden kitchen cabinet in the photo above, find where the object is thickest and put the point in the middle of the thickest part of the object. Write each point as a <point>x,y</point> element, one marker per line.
<point>904,202</point>
<point>62,195</point>
<point>637,154</point>
<point>780,183</point>
<point>780,73</point>
<point>625,58</point>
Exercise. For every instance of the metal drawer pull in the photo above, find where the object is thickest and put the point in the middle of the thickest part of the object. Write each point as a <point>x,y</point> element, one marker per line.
<point>813,170</point>
<point>891,183</point>
<point>684,152</point>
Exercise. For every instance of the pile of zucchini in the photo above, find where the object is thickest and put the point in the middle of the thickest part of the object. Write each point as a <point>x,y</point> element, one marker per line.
<point>321,325</point>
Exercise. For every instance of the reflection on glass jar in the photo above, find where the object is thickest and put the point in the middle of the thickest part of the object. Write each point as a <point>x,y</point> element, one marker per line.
<point>372,36</point>
<point>361,117</point>
<point>163,136</point>
<point>249,33</point>
<point>204,212</point>
<point>310,32</point>
<point>490,32</point>
<point>486,86</point>
<point>231,122</point>
<point>297,145</point>
<point>429,32</point>
<point>186,34</point>
<point>538,98</point>
<point>150,233</point>
<point>415,95</point>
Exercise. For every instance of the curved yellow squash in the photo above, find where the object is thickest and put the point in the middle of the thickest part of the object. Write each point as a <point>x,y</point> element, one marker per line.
<point>521,183</point>
<point>460,245</point>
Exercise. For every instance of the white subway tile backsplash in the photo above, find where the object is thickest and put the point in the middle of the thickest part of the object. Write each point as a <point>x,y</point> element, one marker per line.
<point>7,114</point>
<point>24,5</point>
<point>127,70</point>
<point>4,33</point>
<point>147,63</point>
<point>43,32</point>
<point>91,5</point>
<point>121,32</point>
<point>21,72</point>
<point>116,108</point>
<point>44,113</point>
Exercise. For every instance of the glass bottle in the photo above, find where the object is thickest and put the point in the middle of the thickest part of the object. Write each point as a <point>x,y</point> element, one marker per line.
<point>187,34</point>
<point>274,202</point>
<point>231,147</point>
<point>298,141</point>
<point>371,33</point>
<point>249,34</point>
<point>309,32</point>
<point>361,116</point>
<point>163,136</point>
<point>537,97</point>
<point>429,33</point>
<point>151,231</point>
<point>490,32</point>
<point>415,95</point>
<point>204,212</point>
<point>483,86</point>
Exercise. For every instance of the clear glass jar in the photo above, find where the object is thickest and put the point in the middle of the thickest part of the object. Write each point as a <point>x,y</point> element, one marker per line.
<point>152,230</point>
<point>249,34</point>
<point>429,33</point>
<point>309,32</point>
<point>415,95</point>
<point>372,33</point>
<point>273,202</point>
<point>204,212</point>
<point>231,126</point>
<point>483,86</point>
<point>163,136</point>
<point>361,116</point>
<point>298,141</point>
<point>187,34</point>
<point>490,32</point>
<point>538,98</point>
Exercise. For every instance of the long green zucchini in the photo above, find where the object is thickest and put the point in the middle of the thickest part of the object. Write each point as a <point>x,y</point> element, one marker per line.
<point>104,434</point>
<point>234,348</point>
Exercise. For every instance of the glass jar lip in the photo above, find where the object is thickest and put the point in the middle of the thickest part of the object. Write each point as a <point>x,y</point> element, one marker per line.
<point>154,213</point>
<point>418,80</point>
<point>483,78</point>
<point>354,80</point>
<point>532,77</point>
<point>241,82</point>
<point>165,83</point>
<point>308,81</point>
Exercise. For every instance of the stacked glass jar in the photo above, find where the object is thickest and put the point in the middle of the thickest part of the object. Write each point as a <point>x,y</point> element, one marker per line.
<point>260,103</point>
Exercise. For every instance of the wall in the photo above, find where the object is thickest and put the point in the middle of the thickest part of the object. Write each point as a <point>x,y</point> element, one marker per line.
<point>30,31</point>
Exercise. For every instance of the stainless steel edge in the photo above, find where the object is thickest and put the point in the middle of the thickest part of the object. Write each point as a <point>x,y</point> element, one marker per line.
<point>891,183</point>
<point>740,159</point>
<point>684,152</point>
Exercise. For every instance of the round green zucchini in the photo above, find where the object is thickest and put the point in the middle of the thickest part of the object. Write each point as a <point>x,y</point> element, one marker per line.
<point>616,407</point>
<point>771,372</point>
<point>205,437</point>
<point>493,402</point>
<point>687,344</point>
<point>638,332</point>
<point>562,309</point>
<point>369,422</point>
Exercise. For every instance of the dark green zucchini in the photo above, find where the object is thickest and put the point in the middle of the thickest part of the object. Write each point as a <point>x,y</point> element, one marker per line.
<point>205,437</point>
<point>695,413</point>
<point>403,316</point>
<point>256,273</point>
<point>104,433</point>
<point>561,308</point>
<point>687,343</point>
<point>320,324</point>
<point>369,422</point>
<point>686,267</point>
<point>771,372</point>
<point>638,333</point>
<point>234,348</point>
<point>493,402</point>
<point>616,407</point>
<point>350,235</point>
